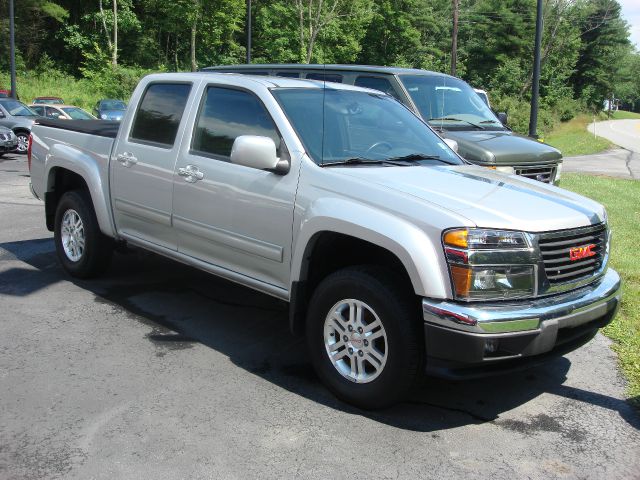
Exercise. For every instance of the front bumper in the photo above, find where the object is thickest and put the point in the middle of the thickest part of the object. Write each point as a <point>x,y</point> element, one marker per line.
<point>465,340</point>
<point>8,146</point>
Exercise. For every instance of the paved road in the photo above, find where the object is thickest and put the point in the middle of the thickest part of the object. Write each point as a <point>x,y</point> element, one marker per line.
<point>625,133</point>
<point>619,162</point>
<point>160,371</point>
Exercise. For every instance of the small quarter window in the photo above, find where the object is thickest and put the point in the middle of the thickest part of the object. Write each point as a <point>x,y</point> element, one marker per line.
<point>226,114</point>
<point>376,83</point>
<point>160,112</point>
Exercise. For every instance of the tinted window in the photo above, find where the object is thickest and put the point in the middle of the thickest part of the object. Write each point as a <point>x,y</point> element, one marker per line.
<point>160,112</point>
<point>288,74</point>
<point>226,114</point>
<point>327,77</point>
<point>38,110</point>
<point>377,83</point>
<point>52,112</point>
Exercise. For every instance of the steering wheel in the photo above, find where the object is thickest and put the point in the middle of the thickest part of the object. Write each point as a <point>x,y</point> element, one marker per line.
<point>379,144</point>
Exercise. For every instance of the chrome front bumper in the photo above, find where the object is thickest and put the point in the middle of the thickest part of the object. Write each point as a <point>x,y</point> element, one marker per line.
<point>486,333</point>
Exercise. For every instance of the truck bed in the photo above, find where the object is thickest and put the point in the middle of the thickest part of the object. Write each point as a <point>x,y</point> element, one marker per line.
<point>101,128</point>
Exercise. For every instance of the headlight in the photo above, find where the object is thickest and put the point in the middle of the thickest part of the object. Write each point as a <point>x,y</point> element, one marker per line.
<point>489,264</point>
<point>558,173</point>
<point>104,116</point>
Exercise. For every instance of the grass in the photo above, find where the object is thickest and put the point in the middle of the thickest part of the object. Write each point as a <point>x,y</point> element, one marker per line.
<point>74,92</point>
<point>572,137</point>
<point>622,115</point>
<point>622,200</point>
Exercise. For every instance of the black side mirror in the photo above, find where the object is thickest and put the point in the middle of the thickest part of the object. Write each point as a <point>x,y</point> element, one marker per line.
<point>502,116</point>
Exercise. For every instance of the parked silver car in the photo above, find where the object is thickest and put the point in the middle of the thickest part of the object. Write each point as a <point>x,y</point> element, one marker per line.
<point>19,118</point>
<point>8,141</point>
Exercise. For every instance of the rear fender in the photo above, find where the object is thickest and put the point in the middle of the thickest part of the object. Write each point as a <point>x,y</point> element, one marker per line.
<point>93,169</point>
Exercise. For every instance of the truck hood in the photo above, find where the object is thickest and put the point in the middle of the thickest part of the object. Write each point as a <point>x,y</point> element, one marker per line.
<point>502,148</point>
<point>485,197</point>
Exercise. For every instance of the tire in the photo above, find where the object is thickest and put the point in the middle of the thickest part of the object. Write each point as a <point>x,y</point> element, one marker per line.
<point>387,352</point>
<point>23,142</point>
<point>83,250</point>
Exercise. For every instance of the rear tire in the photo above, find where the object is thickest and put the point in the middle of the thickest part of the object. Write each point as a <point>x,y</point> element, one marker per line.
<point>83,250</point>
<point>364,337</point>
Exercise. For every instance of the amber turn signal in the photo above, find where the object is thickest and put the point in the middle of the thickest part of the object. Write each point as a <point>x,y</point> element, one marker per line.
<point>456,238</point>
<point>461,280</point>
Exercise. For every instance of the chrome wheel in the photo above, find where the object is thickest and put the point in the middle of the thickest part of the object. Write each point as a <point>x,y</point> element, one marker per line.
<point>72,235</point>
<point>23,143</point>
<point>355,341</point>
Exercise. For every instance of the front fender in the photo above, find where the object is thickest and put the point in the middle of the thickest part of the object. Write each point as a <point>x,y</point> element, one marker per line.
<point>93,168</point>
<point>412,246</point>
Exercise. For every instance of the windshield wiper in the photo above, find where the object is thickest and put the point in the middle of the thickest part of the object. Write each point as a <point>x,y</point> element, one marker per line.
<point>459,120</point>
<point>354,161</point>
<point>489,121</point>
<point>415,157</point>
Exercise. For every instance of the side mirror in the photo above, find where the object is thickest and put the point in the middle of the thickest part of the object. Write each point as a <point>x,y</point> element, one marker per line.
<point>502,116</point>
<point>452,144</point>
<point>1,115</point>
<point>255,152</point>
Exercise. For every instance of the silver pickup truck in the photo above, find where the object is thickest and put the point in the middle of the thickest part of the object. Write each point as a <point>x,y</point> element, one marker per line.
<point>395,255</point>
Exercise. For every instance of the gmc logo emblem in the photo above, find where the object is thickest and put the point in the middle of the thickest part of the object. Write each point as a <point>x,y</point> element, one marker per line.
<point>578,253</point>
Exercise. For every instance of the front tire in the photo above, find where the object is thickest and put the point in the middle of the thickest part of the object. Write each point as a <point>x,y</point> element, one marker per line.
<point>363,336</point>
<point>83,250</point>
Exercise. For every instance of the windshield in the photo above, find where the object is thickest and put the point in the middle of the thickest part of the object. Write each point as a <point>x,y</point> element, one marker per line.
<point>18,109</point>
<point>77,113</point>
<point>112,105</point>
<point>340,126</point>
<point>449,103</point>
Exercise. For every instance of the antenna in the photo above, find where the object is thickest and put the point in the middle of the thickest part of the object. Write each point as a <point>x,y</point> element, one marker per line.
<point>324,96</point>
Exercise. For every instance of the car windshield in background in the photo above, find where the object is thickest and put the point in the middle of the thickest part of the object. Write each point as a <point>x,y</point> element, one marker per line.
<point>361,128</point>
<point>113,105</point>
<point>449,103</point>
<point>77,113</point>
<point>18,109</point>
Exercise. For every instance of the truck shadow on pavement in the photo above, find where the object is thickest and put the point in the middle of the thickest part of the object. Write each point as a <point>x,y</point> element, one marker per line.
<point>182,305</point>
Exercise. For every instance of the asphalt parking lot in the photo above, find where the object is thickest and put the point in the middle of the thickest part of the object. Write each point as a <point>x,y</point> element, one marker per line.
<point>160,371</point>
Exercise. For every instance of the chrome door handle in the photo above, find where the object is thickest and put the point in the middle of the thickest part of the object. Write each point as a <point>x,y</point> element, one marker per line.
<point>126,159</point>
<point>191,173</point>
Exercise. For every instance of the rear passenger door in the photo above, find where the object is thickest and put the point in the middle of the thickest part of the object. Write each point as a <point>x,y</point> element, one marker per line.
<point>143,162</point>
<point>227,215</point>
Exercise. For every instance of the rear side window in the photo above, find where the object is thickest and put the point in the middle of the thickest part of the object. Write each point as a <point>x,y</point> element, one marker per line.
<point>226,114</point>
<point>376,83</point>
<point>327,77</point>
<point>159,113</point>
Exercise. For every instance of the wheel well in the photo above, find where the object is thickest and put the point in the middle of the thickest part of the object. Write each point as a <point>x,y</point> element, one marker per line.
<point>21,130</point>
<point>60,181</point>
<point>328,252</point>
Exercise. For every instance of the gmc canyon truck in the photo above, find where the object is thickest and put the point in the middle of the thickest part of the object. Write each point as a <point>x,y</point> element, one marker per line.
<point>396,256</point>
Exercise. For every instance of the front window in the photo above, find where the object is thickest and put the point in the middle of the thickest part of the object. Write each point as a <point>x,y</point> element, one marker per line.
<point>226,114</point>
<point>349,127</point>
<point>18,109</point>
<point>449,103</point>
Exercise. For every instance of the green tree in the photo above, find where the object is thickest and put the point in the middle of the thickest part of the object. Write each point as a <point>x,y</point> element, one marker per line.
<point>604,44</point>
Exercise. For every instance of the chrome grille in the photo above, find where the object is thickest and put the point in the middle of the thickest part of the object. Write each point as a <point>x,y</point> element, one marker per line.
<point>555,248</point>
<point>542,174</point>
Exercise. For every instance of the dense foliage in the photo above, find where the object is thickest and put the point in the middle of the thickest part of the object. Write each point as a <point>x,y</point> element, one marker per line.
<point>586,54</point>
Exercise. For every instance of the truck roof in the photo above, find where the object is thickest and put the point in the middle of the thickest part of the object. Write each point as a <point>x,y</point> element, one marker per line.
<point>242,79</point>
<point>327,67</point>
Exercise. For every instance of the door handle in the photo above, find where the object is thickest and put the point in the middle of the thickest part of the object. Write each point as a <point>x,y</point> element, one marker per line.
<point>191,173</point>
<point>126,159</point>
